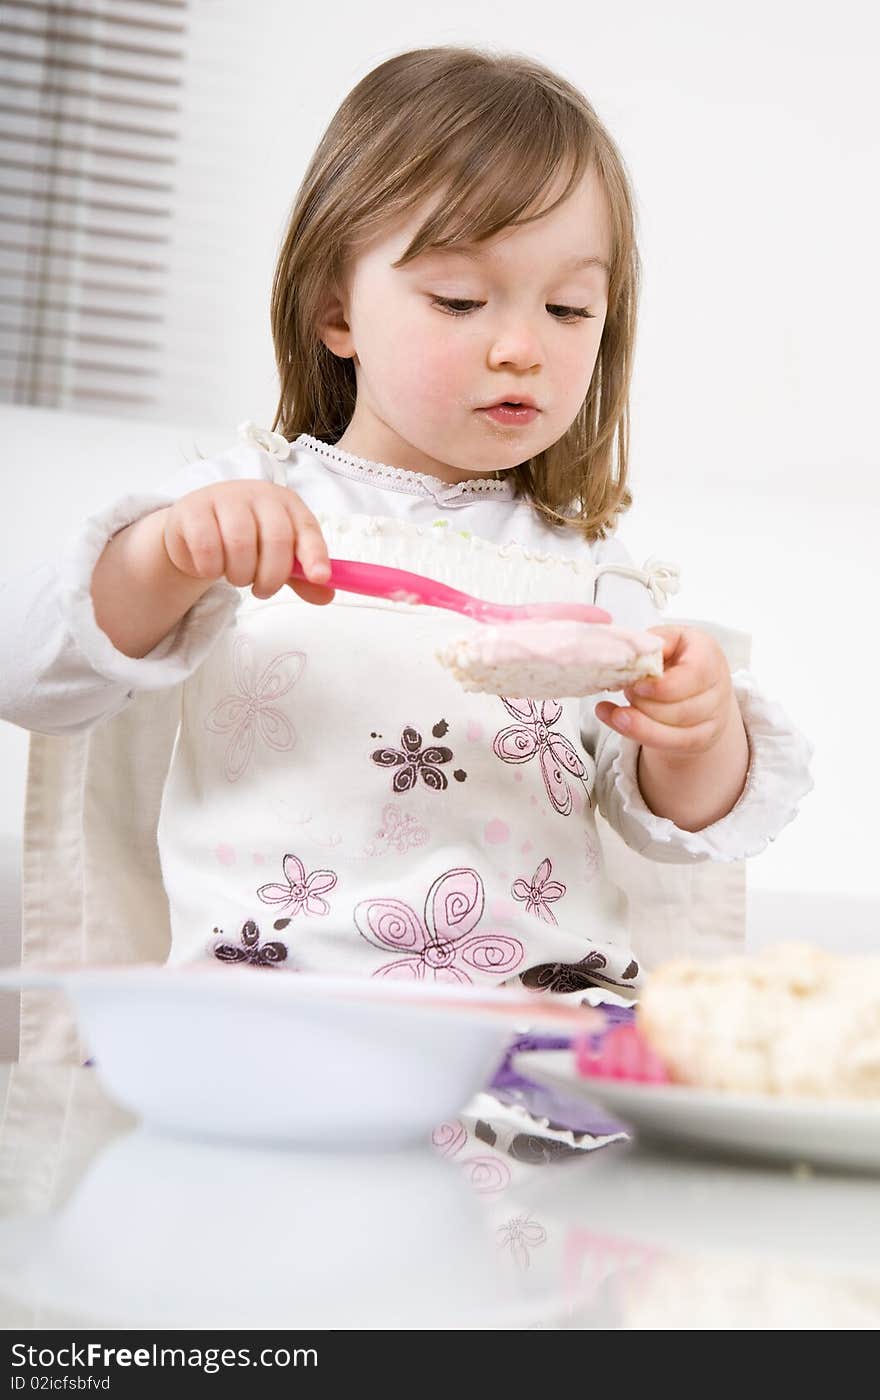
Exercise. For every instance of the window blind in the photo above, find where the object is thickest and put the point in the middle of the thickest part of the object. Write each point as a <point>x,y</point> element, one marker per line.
<point>90,113</point>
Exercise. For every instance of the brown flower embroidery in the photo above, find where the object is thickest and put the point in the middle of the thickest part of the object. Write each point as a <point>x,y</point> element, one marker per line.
<point>250,949</point>
<point>540,1151</point>
<point>413,762</point>
<point>575,977</point>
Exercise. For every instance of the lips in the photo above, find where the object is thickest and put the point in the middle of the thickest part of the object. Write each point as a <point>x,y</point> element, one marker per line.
<point>508,414</point>
<point>514,401</point>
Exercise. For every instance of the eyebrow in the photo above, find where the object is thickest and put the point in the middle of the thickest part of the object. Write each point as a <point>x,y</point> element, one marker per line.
<point>572,264</point>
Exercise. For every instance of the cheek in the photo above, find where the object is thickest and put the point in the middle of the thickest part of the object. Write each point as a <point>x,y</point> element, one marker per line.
<point>447,367</point>
<point>429,362</point>
<point>576,364</point>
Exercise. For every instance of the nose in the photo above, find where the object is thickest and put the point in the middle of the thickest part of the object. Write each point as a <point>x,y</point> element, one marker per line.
<point>516,345</point>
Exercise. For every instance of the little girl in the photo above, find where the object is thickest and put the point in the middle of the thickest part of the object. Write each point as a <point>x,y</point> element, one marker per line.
<point>463,238</point>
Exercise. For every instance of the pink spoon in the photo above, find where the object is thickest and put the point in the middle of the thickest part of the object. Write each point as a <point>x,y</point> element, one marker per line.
<point>378,581</point>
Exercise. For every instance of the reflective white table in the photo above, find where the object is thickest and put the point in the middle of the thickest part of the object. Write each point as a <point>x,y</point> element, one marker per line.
<point>104,1224</point>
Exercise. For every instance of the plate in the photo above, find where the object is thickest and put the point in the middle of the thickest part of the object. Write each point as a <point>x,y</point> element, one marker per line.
<point>834,1133</point>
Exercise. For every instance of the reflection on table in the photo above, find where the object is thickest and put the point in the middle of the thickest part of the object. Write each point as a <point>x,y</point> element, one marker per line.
<point>106,1224</point>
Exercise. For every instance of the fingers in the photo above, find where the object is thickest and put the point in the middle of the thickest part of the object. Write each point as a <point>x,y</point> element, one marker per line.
<point>692,710</point>
<point>691,664</point>
<point>312,592</point>
<point>676,684</point>
<point>192,538</point>
<point>669,738</point>
<point>237,524</point>
<point>690,727</point>
<point>311,547</point>
<point>276,536</point>
<point>250,533</point>
<point>286,529</point>
<point>686,708</point>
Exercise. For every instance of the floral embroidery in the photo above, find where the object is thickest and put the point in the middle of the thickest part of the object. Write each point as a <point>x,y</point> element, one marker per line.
<point>539,893</point>
<point>449,1138</point>
<point>439,945</point>
<point>250,949</point>
<point>413,762</point>
<point>486,1175</point>
<point>252,711</point>
<point>575,977</point>
<point>399,829</point>
<point>301,892</point>
<point>519,1235</point>
<point>519,743</point>
<point>540,1151</point>
<point>593,856</point>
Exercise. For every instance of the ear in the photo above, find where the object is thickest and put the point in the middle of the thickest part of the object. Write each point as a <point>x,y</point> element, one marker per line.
<point>333,327</point>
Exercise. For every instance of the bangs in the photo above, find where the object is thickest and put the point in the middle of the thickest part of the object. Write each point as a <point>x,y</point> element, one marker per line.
<point>501,167</point>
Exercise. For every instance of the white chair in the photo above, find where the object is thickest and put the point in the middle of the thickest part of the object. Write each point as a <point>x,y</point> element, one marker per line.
<point>10,939</point>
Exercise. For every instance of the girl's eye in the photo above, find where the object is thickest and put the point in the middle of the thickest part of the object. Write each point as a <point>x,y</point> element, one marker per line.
<point>456,307</point>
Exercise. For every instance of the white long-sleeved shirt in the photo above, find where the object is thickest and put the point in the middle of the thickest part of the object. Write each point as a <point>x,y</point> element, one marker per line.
<point>60,674</point>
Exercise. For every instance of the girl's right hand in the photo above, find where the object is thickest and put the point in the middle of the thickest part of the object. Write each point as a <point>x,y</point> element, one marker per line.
<point>248,532</point>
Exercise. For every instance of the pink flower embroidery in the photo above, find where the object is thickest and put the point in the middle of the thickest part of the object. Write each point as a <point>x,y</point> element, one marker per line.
<point>449,1138</point>
<point>593,856</point>
<point>252,711</point>
<point>301,891</point>
<point>444,941</point>
<point>487,1175</point>
<point>399,829</point>
<point>519,743</point>
<point>539,893</point>
<point>519,1235</point>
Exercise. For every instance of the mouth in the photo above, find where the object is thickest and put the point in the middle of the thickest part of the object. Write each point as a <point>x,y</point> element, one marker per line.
<point>519,401</point>
<point>511,412</point>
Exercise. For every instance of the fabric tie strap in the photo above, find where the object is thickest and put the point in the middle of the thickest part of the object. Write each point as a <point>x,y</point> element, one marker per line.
<point>662,578</point>
<point>277,447</point>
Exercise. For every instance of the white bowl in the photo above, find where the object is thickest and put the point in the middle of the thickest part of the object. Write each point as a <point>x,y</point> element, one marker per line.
<point>249,1053</point>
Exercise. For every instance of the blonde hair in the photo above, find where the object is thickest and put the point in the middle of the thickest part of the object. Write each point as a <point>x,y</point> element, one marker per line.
<point>494,130</point>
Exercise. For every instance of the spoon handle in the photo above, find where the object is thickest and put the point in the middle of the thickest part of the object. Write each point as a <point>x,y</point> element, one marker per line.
<point>397,585</point>
<point>400,586</point>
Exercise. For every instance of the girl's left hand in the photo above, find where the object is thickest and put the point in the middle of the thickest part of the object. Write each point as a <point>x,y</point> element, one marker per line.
<point>687,710</point>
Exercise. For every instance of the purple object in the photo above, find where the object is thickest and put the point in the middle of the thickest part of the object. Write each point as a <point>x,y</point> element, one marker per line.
<point>561,1110</point>
<point>506,1077</point>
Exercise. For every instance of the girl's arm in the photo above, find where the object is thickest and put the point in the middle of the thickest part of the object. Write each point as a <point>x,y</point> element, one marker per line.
<point>138,595</point>
<point>777,779</point>
<point>60,672</point>
<point>247,532</point>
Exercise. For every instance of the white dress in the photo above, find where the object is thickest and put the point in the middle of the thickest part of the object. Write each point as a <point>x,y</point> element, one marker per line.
<point>334,800</point>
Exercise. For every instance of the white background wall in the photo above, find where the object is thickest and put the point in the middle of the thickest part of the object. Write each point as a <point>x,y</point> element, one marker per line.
<point>752,138</point>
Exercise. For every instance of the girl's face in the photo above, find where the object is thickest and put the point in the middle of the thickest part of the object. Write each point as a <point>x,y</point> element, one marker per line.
<point>435,341</point>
